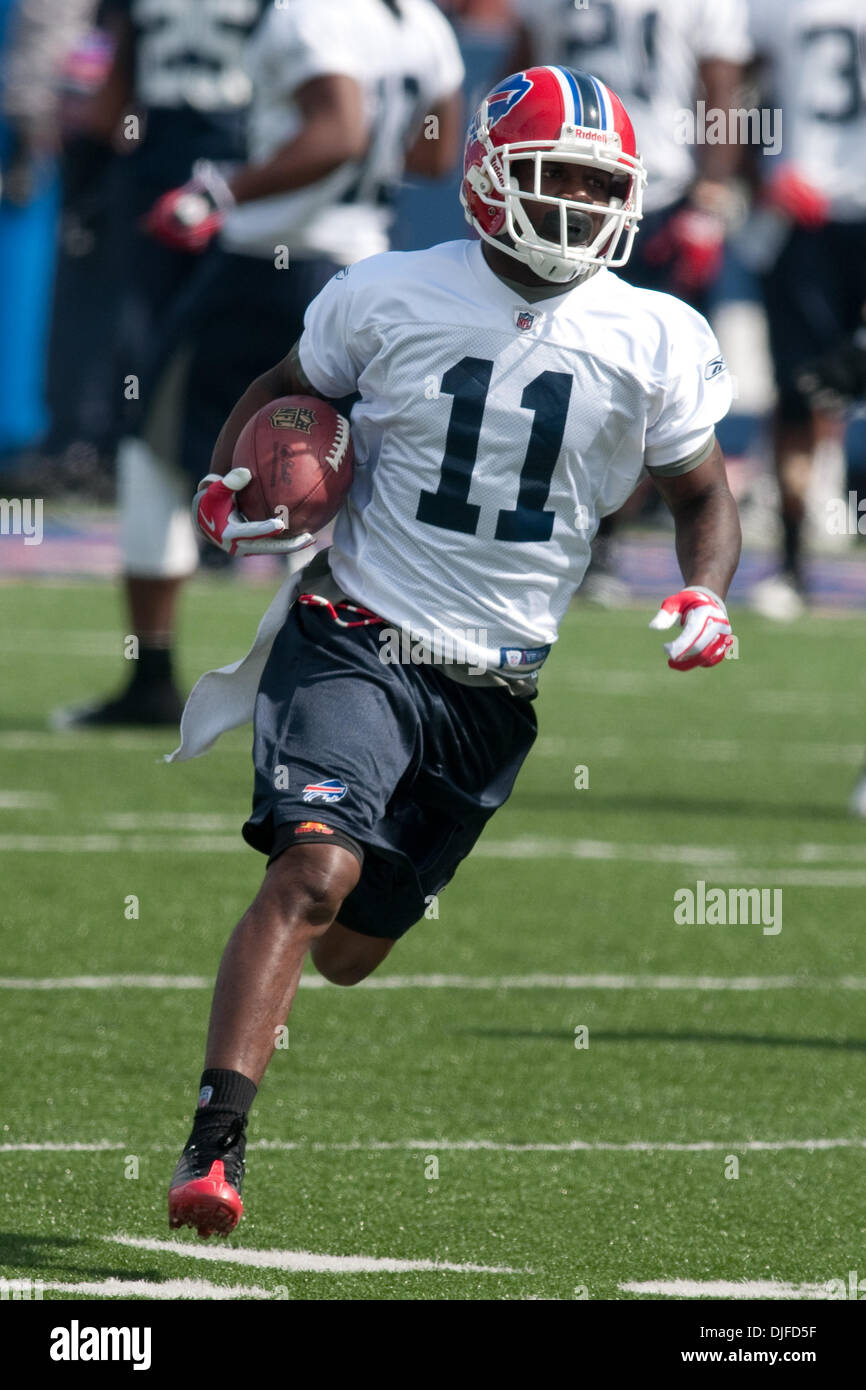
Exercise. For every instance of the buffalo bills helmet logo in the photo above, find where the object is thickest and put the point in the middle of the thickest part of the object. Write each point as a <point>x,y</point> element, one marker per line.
<point>503,99</point>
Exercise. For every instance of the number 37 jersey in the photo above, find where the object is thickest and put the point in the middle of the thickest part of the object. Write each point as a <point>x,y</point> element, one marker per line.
<point>492,434</point>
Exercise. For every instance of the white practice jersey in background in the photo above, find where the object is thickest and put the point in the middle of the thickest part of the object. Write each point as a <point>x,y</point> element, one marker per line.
<point>648,51</point>
<point>404,66</point>
<point>492,434</point>
<point>816,56</point>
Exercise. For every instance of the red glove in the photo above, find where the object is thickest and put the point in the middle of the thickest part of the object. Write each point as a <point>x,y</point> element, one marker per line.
<point>189,217</point>
<point>215,513</point>
<point>693,241</point>
<point>706,634</point>
<point>791,194</point>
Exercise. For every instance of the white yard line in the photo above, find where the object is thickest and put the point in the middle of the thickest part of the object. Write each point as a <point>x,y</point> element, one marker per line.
<point>569,1146</point>
<point>304,1261</point>
<point>709,749</point>
<point>140,1288</point>
<point>176,820</point>
<point>724,864</point>
<point>737,983</point>
<point>110,982</point>
<point>56,1147</point>
<point>25,801</point>
<point>124,844</point>
<point>726,1288</point>
<point>57,741</point>
<point>633,1146</point>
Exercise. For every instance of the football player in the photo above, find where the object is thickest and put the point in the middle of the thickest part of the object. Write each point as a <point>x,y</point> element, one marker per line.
<point>346,93</point>
<point>815,239</point>
<point>177,92</point>
<point>833,383</point>
<point>659,58</point>
<point>513,389</point>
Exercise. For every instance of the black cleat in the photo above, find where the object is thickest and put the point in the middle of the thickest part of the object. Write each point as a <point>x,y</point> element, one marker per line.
<point>148,704</point>
<point>205,1192</point>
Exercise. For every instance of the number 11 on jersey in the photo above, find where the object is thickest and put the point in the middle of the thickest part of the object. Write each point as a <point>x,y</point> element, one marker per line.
<point>548,396</point>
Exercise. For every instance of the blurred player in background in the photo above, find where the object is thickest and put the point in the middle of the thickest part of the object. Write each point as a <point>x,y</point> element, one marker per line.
<point>177,92</point>
<point>469,519</point>
<point>346,94</point>
<point>660,58</point>
<point>811,239</point>
<point>832,384</point>
<point>35,37</point>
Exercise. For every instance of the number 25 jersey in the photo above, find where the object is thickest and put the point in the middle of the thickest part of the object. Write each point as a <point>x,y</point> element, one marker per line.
<point>492,434</point>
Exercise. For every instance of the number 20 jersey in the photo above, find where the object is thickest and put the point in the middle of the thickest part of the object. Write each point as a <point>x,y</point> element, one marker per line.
<point>492,434</point>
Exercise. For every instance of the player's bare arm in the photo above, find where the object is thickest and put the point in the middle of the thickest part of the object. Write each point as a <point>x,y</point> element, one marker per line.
<point>434,154</point>
<point>334,131</point>
<point>721,83</point>
<point>708,549</point>
<point>706,521</point>
<point>287,378</point>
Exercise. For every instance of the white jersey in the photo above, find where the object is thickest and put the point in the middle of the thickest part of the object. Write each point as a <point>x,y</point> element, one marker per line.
<point>492,434</point>
<point>816,57</point>
<point>648,51</point>
<point>404,66</point>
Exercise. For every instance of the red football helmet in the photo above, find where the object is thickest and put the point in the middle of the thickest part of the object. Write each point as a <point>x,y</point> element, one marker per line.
<point>566,117</point>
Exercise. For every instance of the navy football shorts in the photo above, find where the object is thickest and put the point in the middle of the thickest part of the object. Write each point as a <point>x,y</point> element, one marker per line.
<point>398,760</point>
<point>814,296</point>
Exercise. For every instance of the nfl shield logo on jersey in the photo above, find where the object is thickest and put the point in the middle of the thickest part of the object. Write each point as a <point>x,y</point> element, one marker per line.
<point>524,318</point>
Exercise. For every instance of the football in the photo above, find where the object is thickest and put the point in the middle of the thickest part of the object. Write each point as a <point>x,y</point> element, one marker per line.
<point>299,451</point>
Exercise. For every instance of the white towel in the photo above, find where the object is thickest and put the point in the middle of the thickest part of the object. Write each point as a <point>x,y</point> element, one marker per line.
<point>226,698</point>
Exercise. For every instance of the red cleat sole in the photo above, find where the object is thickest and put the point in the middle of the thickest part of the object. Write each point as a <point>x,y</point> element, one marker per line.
<point>210,1206</point>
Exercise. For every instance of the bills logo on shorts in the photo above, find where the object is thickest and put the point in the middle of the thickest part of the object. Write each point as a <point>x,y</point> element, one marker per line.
<point>331,790</point>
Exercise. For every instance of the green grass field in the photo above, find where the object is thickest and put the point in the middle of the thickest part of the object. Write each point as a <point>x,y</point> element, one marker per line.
<point>561,1169</point>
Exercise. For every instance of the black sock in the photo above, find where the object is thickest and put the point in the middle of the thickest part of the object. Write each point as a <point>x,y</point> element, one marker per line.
<point>223,1097</point>
<point>153,666</point>
<point>791,552</point>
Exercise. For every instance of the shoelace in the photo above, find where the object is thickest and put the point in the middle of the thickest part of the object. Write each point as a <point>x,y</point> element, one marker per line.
<point>232,1136</point>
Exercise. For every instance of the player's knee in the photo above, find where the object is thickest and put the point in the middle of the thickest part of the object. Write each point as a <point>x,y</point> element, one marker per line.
<point>339,972</point>
<point>306,885</point>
